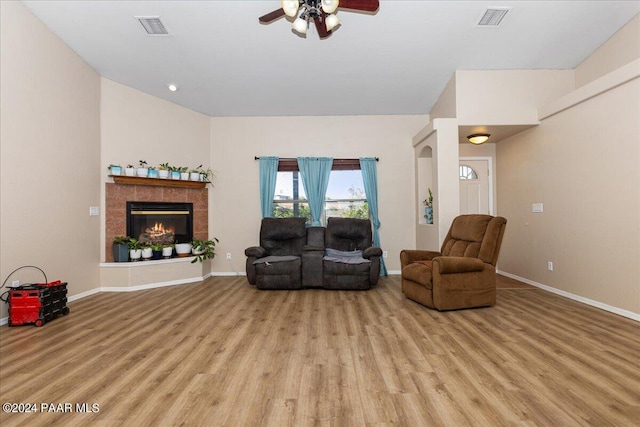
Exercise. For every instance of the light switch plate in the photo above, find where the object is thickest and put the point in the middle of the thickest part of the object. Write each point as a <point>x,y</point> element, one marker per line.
<point>536,207</point>
<point>94,211</point>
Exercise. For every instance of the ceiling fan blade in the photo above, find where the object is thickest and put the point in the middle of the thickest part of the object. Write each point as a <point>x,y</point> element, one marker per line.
<point>321,26</point>
<point>272,16</point>
<point>364,5</point>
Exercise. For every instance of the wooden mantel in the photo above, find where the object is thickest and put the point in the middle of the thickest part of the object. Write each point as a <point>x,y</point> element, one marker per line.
<point>135,180</point>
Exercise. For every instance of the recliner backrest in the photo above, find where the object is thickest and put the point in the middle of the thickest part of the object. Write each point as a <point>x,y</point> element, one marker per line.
<point>475,236</point>
<point>348,234</point>
<point>283,236</point>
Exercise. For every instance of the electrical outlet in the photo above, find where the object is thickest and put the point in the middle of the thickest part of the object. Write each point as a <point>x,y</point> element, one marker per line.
<point>228,255</point>
<point>384,254</point>
<point>15,283</point>
<point>550,266</point>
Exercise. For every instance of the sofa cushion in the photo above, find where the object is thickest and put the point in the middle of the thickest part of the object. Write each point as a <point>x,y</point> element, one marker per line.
<point>273,258</point>
<point>419,272</point>
<point>346,257</point>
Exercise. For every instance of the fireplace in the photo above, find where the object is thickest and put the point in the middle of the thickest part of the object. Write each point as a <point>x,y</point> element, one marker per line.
<point>160,222</point>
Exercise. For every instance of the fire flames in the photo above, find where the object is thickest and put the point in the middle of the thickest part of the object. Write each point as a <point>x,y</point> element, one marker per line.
<point>158,234</point>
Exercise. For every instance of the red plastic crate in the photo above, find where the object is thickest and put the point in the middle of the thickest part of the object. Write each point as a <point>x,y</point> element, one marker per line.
<point>25,306</point>
<point>37,304</point>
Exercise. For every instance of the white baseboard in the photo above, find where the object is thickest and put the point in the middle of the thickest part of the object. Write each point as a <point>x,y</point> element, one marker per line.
<point>619,311</point>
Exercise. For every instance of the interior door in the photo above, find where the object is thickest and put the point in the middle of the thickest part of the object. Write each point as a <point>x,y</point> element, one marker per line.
<point>474,187</point>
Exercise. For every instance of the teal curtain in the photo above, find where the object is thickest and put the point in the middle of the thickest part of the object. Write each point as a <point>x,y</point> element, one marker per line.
<point>268,176</point>
<point>315,173</point>
<point>368,167</point>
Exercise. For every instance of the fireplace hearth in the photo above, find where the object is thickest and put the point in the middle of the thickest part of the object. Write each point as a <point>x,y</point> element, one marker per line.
<point>160,222</point>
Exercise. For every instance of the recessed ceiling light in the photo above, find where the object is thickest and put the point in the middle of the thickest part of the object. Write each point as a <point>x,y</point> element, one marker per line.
<point>173,87</point>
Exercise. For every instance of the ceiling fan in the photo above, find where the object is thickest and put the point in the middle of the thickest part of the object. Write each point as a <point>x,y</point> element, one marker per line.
<point>318,11</point>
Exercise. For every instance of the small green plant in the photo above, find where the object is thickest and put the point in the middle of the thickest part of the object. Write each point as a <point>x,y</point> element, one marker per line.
<point>164,166</point>
<point>205,249</point>
<point>429,201</point>
<point>196,170</point>
<point>130,166</point>
<point>156,247</point>
<point>121,240</point>
<point>182,169</point>
<point>134,244</point>
<point>143,163</point>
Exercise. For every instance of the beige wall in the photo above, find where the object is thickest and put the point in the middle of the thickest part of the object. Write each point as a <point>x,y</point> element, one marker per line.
<point>136,126</point>
<point>622,48</point>
<point>582,163</point>
<point>446,106</point>
<point>50,155</point>
<point>236,141</point>
<point>507,97</point>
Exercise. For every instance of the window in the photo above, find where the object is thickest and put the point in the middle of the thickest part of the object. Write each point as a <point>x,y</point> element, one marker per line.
<point>467,172</point>
<point>345,195</point>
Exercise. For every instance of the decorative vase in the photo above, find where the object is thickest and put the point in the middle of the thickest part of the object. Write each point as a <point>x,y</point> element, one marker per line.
<point>183,249</point>
<point>135,254</point>
<point>120,252</point>
<point>428,214</point>
<point>167,251</point>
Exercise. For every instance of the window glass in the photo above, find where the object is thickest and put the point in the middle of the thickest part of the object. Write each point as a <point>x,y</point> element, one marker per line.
<point>345,196</point>
<point>467,172</point>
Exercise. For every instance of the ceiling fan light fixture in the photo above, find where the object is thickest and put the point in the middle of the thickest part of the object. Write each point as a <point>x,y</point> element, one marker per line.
<point>290,7</point>
<point>332,21</point>
<point>329,6</point>
<point>300,26</point>
<point>478,138</point>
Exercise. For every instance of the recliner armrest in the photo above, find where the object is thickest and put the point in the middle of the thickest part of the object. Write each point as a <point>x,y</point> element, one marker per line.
<point>310,248</point>
<point>255,251</point>
<point>407,256</point>
<point>371,251</point>
<point>457,264</point>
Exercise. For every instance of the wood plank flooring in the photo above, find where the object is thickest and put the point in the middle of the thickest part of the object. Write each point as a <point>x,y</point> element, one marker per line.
<point>222,353</point>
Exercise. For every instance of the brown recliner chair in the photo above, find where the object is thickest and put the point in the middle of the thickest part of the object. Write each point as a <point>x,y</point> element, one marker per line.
<point>463,274</point>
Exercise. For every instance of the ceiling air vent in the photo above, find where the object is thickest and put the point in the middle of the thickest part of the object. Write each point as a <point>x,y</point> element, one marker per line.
<point>153,25</point>
<point>492,17</point>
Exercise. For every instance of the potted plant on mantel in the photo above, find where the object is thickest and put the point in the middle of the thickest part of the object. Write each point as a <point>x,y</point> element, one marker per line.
<point>115,169</point>
<point>163,170</point>
<point>156,249</point>
<point>130,170</point>
<point>135,249</point>
<point>203,249</point>
<point>121,249</point>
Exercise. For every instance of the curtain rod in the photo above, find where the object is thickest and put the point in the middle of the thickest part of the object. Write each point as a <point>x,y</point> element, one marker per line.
<point>294,158</point>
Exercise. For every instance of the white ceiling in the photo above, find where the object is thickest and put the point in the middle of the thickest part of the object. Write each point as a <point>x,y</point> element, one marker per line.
<point>396,61</point>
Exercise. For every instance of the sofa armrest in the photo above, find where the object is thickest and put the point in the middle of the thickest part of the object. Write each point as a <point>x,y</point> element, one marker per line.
<point>457,264</point>
<point>311,248</point>
<point>408,256</point>
<point>255,251</point>
<point>371,251</point>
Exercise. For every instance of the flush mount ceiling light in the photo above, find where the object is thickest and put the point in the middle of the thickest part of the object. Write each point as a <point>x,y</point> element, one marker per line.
<point>478,138</point>
<point>321,12</point>
<point>172,87</point>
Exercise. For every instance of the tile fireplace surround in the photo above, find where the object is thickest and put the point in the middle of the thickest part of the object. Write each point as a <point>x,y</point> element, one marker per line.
<point>116,196</point>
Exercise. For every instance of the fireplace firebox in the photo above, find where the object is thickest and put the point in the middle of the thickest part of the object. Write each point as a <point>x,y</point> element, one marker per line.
<point>160,222</point>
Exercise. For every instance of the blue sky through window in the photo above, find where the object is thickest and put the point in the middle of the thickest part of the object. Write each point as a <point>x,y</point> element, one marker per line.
<point>338,188</point>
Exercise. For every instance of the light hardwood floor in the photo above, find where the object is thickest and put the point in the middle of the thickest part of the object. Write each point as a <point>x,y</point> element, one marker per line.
<point>221,353</point>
